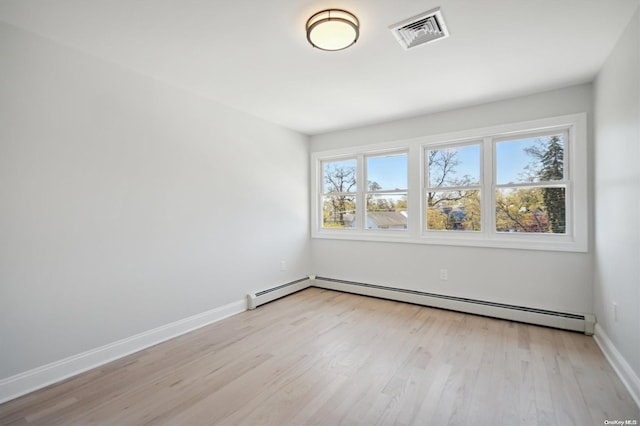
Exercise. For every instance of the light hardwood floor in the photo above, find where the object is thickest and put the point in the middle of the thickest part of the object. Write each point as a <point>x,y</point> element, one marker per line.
<point>323,357</point>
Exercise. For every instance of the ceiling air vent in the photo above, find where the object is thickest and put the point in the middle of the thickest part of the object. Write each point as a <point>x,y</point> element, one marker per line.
<point>421,29</point>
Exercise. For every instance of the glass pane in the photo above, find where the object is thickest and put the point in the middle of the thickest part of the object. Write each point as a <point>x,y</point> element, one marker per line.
<point>453,167</point>
<point>453,210</point>
<point>339,176</point>
<point>387,172</point>
<point>530,160</point>
<point>538,210</point>
<point>338,211</point>
<point>387,211</point>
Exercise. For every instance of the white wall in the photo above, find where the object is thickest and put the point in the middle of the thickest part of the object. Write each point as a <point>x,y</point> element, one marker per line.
<point>617,190</point>
<point>126,204</point>
<point>550,280</point>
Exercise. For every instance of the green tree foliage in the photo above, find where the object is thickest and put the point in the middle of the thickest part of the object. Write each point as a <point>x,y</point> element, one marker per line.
<point>401,204</point>
<point>536,209</point>
<point>377,202</point>
<point>450,210</point>
<point>521,210</point>
<point>460,211</point>
<point>549,156</point>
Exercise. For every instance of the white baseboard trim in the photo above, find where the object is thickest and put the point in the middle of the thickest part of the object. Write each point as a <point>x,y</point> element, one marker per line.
<point>29,381</point>
<point>619,364</point>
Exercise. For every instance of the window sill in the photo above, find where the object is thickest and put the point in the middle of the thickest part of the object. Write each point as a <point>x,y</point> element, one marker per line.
<point>518,242</point>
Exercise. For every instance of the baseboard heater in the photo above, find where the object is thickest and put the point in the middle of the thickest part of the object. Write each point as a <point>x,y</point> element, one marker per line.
<point>265,296</point>
<point>562,320</point>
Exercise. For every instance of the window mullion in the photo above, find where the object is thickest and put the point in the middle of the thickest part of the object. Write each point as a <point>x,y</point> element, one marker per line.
<point>415,184</point>
<point>361,184</point>
<point>488,191</point>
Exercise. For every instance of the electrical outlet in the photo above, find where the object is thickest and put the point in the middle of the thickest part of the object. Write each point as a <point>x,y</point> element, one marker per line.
<point>444,274</point>
<point>283,265</point>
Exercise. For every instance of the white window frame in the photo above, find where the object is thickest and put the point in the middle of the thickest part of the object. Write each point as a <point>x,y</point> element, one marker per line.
<point>360,193</point>
<point>366,190</point>
<point>427,188</point>
<point>354,193</point>
<point>576,147</point>
<point>565,181</point>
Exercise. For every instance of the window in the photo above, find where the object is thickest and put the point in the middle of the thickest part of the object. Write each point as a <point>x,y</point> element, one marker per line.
<point>339,193</point>
<point>453,183</point>
<point>520,185</point>
<point>385,194</point>
<point>531,189</point>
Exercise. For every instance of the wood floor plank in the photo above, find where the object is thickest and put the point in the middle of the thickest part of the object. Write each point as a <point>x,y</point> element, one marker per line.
<point>321,357</point>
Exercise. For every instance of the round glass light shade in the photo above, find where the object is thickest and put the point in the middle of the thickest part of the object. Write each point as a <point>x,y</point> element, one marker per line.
<point>333,29</point>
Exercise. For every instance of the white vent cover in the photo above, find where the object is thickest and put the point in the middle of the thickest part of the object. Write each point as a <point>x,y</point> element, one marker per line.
<point>420,29</point>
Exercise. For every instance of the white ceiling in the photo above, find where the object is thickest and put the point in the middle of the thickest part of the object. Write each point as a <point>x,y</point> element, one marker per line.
<point>252,55</point>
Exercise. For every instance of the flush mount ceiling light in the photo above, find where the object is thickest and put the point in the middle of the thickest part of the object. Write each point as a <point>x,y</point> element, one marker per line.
<point>333,29</point>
